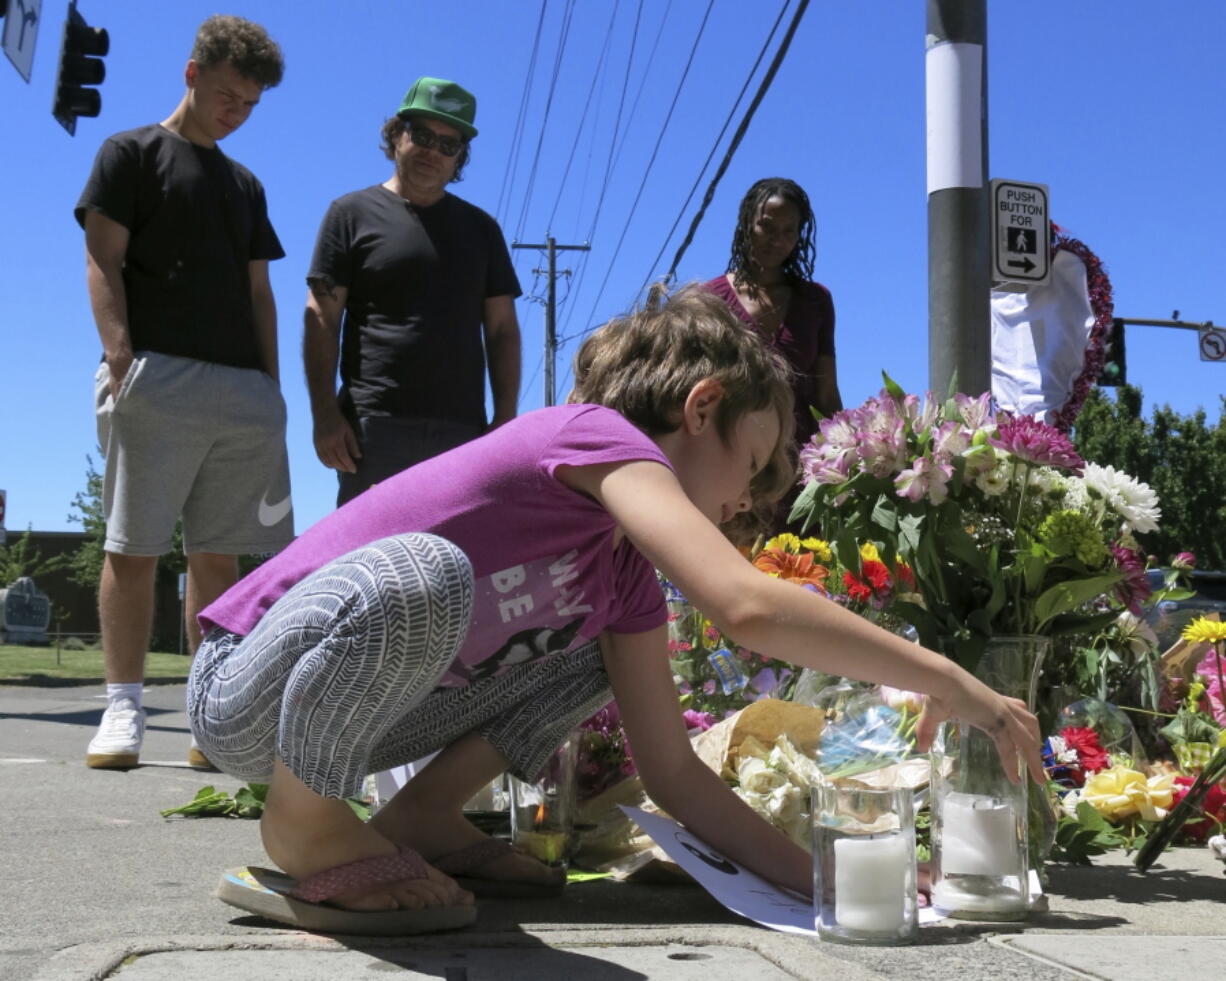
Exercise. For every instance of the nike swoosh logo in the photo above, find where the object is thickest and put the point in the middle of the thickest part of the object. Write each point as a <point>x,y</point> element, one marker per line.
<point>274,514</point>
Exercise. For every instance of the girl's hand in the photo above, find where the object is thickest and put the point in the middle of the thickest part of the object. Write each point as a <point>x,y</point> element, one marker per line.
<point>1012,727</point>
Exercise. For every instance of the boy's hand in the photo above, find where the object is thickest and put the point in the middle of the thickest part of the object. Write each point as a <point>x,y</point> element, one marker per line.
<point>1013,728</point>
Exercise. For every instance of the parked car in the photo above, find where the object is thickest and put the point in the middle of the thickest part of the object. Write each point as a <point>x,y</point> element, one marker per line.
<point>1168,617</point>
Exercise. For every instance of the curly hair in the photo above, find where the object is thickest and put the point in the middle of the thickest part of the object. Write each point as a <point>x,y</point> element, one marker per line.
<point>245,45</point>
<point>645,363</point>
<point>798,266</point>
<point>395,126</point>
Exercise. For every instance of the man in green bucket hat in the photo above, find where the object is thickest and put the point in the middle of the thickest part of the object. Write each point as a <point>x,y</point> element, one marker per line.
<point>412,294</point>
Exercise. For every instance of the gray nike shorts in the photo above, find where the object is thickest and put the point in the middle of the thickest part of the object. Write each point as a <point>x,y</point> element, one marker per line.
<point>201,441</point>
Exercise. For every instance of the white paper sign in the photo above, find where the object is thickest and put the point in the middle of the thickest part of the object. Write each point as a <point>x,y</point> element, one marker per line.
<point>745,893</point>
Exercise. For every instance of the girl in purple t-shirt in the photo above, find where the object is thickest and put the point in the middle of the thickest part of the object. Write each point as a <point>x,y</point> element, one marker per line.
<point>485,602</point>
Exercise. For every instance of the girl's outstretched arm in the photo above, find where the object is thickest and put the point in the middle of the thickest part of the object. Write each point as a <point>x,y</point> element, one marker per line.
<point>676,779</point>
<point>783,620</point>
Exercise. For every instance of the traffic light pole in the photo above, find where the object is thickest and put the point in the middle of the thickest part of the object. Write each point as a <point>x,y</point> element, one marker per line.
<point>81,66</point>
<point>551,302</point>
<point>1179,324</point>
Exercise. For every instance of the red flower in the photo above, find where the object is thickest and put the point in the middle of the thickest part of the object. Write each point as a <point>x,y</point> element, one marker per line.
<point>1084,741</point>
<point>879,576</point>
<point>855,588</point>
<point>907,576</point>
<point>1211,816</point>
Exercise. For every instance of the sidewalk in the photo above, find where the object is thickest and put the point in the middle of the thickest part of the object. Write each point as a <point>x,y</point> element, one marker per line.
<point>100,886</point>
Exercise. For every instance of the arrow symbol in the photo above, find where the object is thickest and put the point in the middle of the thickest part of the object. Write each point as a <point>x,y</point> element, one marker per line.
<point>1025,265</point>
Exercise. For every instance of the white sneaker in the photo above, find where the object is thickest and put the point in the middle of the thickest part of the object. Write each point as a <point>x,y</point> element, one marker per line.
<point>116,746</point>
<point>196,758</point>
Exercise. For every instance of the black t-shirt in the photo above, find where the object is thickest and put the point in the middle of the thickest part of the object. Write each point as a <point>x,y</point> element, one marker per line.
<point>418,278</point>
<point>195,218</point>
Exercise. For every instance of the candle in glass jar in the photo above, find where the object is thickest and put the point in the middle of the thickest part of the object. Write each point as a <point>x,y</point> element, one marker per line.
<point>545,846</point>
<point>978,836</point>
<point>870,881</point>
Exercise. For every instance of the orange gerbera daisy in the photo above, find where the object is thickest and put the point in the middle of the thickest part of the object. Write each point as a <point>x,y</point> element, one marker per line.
<point>800,568</point>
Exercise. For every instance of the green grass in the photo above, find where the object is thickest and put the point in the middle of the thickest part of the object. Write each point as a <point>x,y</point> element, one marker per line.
<point>40,667</point>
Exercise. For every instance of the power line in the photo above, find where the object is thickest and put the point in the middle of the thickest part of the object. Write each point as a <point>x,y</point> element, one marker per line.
<point>604,51</point>
<point>655,150</point>
<point>508,177</point>
<point>540,140</point>
<point>715,145</point>
<point>617,125</point>
<point>737,137</point>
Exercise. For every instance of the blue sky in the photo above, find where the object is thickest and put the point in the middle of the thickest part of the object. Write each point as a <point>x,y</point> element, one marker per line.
<point>1115,104</point>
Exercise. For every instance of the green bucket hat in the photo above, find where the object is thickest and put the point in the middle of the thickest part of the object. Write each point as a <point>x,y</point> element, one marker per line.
<point>442,100</point>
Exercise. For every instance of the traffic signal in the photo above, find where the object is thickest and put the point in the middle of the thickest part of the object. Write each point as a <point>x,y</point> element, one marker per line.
<point>80,66</point>
<point>1115,371</point>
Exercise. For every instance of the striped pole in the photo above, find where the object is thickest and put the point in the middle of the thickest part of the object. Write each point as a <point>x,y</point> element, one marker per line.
<point>959,284</point>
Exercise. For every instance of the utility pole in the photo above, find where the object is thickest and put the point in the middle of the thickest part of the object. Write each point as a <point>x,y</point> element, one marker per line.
<point>551,302</point>
<point>959,251</point>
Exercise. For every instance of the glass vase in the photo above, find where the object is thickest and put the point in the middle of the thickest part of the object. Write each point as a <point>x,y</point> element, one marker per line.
<point>981,825</point>
<point>864,874</point>
<point>543,811</point>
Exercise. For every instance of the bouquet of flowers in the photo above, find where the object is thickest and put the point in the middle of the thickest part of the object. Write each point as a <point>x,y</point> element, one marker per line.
<point>1003,528</point>
<point>718,676</point>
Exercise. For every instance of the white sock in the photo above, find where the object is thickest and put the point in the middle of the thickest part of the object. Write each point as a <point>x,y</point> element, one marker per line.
<point>133,691</point>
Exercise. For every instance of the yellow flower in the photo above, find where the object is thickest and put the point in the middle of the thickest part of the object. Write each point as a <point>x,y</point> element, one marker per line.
<point>1159,795</point>
<point>784,542</point>
<point>869,553</point>
<point>1204,629</point>
<point>819,548</point>
<point>1121,792</point>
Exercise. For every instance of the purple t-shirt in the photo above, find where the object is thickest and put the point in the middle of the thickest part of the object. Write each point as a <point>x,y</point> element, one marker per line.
<point>546,573</point>
<point>807,332</point>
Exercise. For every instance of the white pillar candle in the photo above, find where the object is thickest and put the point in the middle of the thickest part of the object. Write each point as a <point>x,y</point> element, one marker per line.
<point>978,836</point>
<point>870,881</point>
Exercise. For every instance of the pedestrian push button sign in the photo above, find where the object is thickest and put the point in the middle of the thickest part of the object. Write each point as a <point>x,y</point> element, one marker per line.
<point>1021,237</point>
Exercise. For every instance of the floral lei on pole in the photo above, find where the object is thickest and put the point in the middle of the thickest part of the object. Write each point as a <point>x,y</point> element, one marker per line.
<point>1102,305</point>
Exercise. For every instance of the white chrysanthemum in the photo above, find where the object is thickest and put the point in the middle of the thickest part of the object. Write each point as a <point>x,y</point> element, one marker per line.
<point>996,481</point>
<point>1047,481</point>
<point>1132,500</point>
<point>1069,802</point>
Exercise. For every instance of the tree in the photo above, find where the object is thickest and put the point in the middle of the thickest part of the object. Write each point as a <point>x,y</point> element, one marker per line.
<point>86,561</point>
<point>21,558</point>
<point>1182,458</point>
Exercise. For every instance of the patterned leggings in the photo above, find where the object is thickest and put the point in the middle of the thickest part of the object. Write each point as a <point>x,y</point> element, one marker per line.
<point>338,679</point>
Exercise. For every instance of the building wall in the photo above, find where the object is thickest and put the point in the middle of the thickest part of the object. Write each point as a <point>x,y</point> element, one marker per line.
<point>75,607</point>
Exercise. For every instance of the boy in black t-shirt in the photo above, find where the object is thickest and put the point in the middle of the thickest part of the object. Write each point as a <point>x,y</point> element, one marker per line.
<point>190,414</point>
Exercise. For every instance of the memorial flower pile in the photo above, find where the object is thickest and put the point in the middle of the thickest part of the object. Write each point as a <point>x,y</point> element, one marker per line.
<point>996,519</point>
<point>1124,804</point>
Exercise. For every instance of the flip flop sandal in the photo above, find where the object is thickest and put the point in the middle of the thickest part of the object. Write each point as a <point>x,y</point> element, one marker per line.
<point>301,904</point>
<point>464,862</point>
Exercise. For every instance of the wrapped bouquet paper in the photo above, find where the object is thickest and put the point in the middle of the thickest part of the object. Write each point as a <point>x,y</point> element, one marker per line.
<point>611,842</point>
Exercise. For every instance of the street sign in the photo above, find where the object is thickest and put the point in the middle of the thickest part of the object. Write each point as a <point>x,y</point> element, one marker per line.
<point>20,30</point>
<point>1021,236</point>
<point>1212,343</point>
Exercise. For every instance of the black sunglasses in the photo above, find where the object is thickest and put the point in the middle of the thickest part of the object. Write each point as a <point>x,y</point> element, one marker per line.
<point>427,139</point>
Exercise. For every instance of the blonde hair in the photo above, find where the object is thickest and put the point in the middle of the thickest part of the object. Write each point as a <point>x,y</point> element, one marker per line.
<point>645,363</point>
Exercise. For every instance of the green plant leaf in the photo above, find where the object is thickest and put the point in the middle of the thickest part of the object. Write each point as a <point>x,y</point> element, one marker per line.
<point>1066,596</point>
<point>893,387</point>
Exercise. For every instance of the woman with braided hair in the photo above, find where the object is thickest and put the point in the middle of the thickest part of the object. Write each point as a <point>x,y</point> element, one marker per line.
<point>769,287</point>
